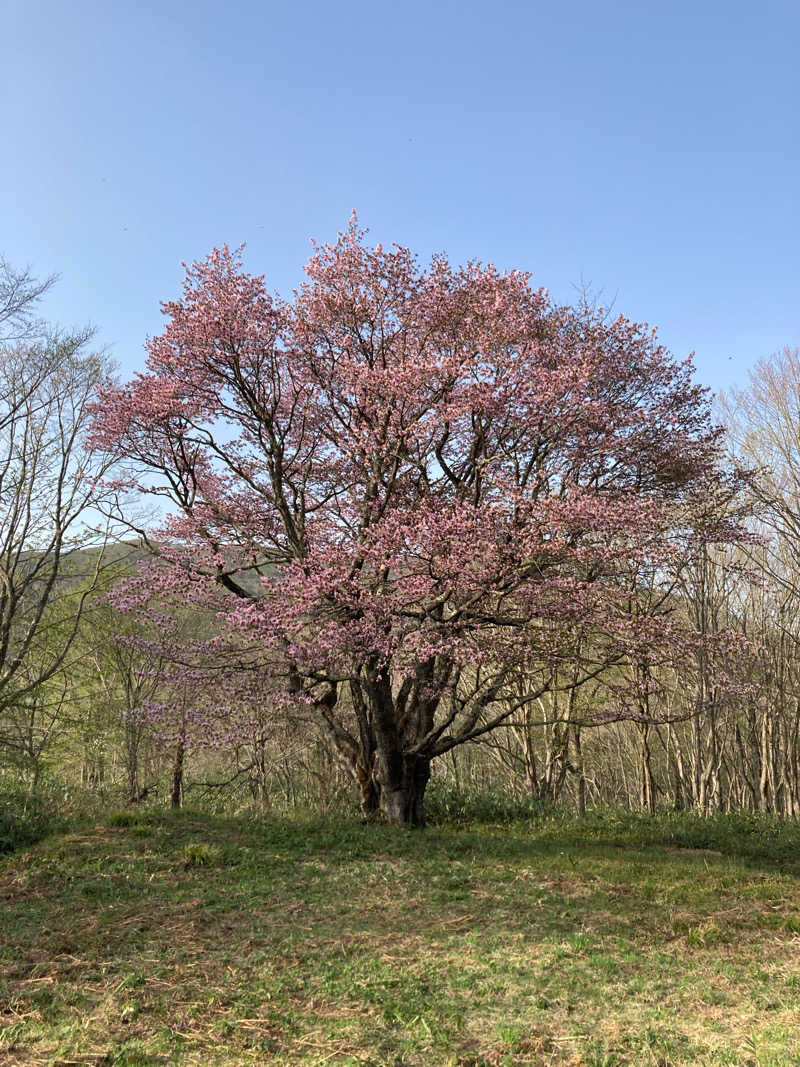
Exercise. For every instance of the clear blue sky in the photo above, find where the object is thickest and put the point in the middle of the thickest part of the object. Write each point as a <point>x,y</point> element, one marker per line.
<point>651,149</point>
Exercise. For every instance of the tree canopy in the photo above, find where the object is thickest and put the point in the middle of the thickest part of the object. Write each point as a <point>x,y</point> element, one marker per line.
<point>453,494</point>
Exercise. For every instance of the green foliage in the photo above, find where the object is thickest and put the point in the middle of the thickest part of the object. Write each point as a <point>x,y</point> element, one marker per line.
<point>201,854</point>
<point>749,835</point>
<point>460,806</point>
<point>26,819</point>
<point>124,818</point>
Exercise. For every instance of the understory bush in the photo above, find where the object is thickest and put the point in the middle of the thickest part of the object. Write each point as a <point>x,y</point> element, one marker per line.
<point>452,804</point>
<point>25,819</point>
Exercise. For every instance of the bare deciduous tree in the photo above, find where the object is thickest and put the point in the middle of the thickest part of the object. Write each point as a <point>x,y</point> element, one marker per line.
<point>50,487</point>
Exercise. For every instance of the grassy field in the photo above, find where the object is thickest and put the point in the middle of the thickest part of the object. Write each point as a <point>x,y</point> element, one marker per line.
<point>189,939</point>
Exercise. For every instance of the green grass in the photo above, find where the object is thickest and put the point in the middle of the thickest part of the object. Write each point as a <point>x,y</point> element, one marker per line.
<point>188,939</point>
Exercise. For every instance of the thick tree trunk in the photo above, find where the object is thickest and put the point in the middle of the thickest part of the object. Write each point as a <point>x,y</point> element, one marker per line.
<point>401,777</point>
<point>391,779</point>
<point>395,786</point>
<point>402,795</point>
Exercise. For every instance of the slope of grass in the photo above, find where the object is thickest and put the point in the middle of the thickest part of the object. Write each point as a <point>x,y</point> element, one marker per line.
<point>189,939</point>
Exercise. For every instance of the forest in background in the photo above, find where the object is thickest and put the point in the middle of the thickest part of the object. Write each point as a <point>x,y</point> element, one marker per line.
<point>690,734</point>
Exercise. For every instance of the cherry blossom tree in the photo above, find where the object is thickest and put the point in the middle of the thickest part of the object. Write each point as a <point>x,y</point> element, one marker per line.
<point>415,498</point>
